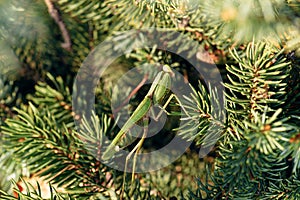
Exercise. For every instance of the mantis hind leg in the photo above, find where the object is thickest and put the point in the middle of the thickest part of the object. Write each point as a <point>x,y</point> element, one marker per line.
<point>134,151</point>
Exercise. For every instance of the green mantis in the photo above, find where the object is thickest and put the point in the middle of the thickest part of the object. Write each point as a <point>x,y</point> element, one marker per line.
<point>156,92</point>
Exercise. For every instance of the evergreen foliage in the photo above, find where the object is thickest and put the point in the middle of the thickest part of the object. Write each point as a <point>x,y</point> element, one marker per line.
<point>254,143</point>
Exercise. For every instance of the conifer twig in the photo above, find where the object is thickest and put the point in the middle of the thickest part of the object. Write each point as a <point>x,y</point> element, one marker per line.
<point>54,13</point>
<point>136,89</point>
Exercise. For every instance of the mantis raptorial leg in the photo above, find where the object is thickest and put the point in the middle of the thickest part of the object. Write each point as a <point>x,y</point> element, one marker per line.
<point>163,109</point>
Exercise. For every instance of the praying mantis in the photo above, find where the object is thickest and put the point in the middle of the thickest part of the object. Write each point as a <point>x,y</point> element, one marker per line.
<point>158,90</point>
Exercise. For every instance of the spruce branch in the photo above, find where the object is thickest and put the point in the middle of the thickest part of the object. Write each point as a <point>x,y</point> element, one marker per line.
<point>203,117</point>
<point>32,193</point>
<point>257,151</point>
<point>61,157</point>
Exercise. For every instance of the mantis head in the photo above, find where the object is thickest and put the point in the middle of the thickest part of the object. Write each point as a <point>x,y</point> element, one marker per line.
<point>168,70</point>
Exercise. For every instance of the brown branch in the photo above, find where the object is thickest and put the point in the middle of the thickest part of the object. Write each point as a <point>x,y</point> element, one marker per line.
<point>58,19</point>
<point>136,89</point>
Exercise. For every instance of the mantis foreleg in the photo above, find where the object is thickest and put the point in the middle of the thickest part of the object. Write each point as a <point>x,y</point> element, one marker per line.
<point>163,109</point>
